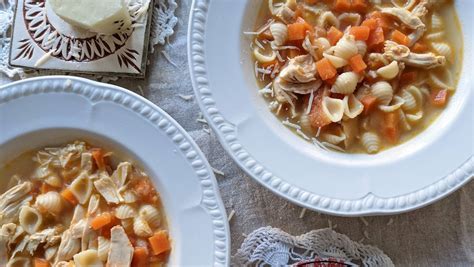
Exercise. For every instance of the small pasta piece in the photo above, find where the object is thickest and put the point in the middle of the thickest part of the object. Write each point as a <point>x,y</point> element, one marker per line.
<point>94,204</point>
<point>361,47</point>
<point>334,138</point>
<point>49,202</point>
<point>262,58</point>
<point>346,83</point>
<point>439,81</point>
<point>125,212</point>
<point>371,142</point>
<point>352,19</point>
<point>337,62</point>
<point>30,219</point>
<point>87,258</point>
<point>54,180</point>
<point>141,227</point>
<point>346,47</point>
<point>328,19</point>
<point>390,71</point>
<point>333,108</point>
<point>437,23</point>
<point>414,117</point>
<point>413,98</point>
<point>81,187</point>
<point>323,43</point>
<point>103,248</point>
<point>279,32</point>
<point>443,49</point>
<point>352,106</point>
<point>129,197</point>
<point>86,161</point>
<point>121,174</point>
<point>403,120</point>
<point>305,123</point>
<point>396,104</point>
<point>151,215</point>
<point>437,36</point>
<point>19,262</point>
<point>383,92</point>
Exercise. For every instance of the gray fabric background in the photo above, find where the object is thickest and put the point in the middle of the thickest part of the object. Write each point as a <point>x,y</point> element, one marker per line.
<point>441,234</point>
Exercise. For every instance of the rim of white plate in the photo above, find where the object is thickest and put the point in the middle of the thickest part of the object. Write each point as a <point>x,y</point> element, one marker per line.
<point>370,204</point>
<point>94,91</point>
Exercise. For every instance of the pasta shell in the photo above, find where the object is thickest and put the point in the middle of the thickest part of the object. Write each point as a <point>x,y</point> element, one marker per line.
<point>346,83</point>
<point>334,138</point>
<point>361,47</point>
<point>443,49</point>
<point>390,71</point>
<point>19,262</point>
<point>151,215</point>
<point>439,82</point>
<point>262,58</point>
<point>346,47</point>
<point>413,98</point>
<point>54,180</point>
<point>323,43</point>
<point>352,106</point>
<point>141,227</point>
<point>87,258</point>
<point>337,62</point>
<point>50,202</point>
<point>30,219</point>
<point>103,248</point>
<point>383,92</point>
<point>81,187</point>
<point>414,118</point>
<point>436,22</point>
<point>328,19</point>
<point>437,36</point>
<point>404,121</point>
<point>305,123</point>
<point>125,212</point>
<point>352,19</point>
<point>94,203</point>
<point>86,161</point>
<point>333,108</point>
<point>50,252</point>
<point>129,197</point>
<point>279,32</point>
<point>396,105</point>
<point>371,142</point>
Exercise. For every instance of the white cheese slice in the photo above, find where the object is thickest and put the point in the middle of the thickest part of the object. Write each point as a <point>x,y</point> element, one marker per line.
<point>101,16</point>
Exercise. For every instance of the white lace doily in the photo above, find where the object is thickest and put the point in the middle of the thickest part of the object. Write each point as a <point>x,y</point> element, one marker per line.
<point>269,246</point>
<point>163,23</point>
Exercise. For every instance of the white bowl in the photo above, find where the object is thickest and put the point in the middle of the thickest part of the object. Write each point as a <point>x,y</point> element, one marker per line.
<point>54,110</point>
<point>409,176</point>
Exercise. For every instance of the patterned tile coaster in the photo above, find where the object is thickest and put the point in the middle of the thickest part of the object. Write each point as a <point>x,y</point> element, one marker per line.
<point>43,41</point>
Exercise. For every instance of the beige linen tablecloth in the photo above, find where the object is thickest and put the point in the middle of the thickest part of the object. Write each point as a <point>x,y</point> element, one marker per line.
<point>441,234</point>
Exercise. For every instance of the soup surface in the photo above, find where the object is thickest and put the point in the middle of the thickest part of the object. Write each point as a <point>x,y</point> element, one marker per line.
<point>357,76</point>
<point>78,205</point>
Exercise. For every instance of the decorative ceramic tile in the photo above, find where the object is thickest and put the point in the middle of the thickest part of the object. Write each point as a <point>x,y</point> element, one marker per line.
<point>43,41</point>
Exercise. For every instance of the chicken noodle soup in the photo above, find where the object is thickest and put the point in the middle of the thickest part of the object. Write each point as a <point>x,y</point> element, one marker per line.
<point>72,206</point>
<point>357,75</point>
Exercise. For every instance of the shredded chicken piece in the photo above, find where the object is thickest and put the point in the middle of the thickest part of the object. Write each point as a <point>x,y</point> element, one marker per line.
<point>286,14</point>
<point>410,19</point>
<point>300,69</point>
<point>107,189</point>
<point>394,51</point>
<point>50,236</point>
<point>298,88</point>
<point>3,249</point>
<point>121,250</point>
<point>68,247</point>
<point>12,200</point>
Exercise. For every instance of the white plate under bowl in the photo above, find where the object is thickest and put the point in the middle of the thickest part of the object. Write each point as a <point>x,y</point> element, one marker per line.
<point>52,110</point>
<point>409,176</point>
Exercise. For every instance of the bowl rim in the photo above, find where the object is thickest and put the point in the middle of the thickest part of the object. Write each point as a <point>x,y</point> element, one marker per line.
<point>370,204</point>
<point>209,196</point>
